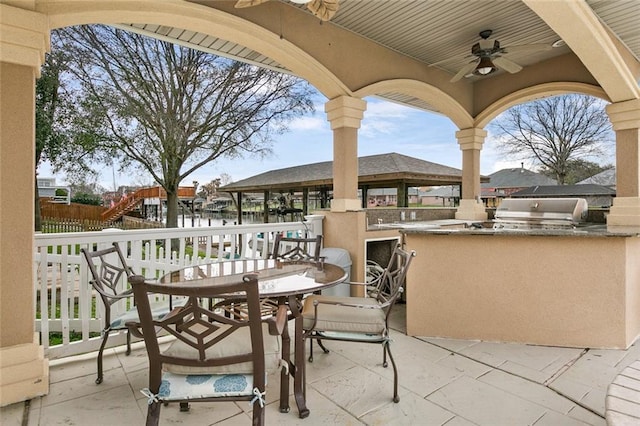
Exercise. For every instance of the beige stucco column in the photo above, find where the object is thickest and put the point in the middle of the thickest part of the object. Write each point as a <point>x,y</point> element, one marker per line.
<point>470,141</point>
<point>345,114</point>
<point>24,37</point>
<point>625,212</point>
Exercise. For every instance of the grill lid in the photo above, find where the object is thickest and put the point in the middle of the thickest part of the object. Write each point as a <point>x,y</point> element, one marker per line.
<point>542,211</point>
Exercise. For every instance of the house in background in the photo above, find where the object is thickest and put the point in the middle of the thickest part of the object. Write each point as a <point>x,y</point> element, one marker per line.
<point>505,182</point>
<point>382,197</point>
<point>47,188</point>
<point>443,196</point>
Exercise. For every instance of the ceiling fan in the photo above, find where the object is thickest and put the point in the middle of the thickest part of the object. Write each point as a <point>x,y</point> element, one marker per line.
<point>488,56</point>
<point>322,9</point>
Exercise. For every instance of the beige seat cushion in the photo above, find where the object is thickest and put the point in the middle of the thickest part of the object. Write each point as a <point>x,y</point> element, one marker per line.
<point>237,343</point>
<point>370,319</point>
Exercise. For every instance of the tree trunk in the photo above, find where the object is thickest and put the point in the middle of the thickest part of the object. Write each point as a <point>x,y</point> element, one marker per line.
<point>172,215</point>
<point>172,208</point>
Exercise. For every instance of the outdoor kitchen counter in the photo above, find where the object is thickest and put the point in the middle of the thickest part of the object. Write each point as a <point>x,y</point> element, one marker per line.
<point>575,288</point>
<point>580,231</point>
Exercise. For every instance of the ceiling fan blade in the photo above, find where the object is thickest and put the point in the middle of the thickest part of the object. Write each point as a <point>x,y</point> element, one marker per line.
<point>506,64</point>
<point>526,48</point>
<point>464,71</point>
<point>323,9</point>
<point>248,3</point>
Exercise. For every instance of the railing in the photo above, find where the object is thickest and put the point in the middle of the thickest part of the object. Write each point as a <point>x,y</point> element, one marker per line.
<point>65,303</point>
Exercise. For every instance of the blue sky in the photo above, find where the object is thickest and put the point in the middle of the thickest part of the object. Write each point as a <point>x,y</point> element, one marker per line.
<point>386,127</point>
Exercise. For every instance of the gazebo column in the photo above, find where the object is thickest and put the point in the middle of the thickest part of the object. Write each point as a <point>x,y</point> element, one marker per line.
<point>239,207</point>
<point>265,206</point>
<point>365,196</point>
<point>471,207</point>
<point>625,212</point>
<point>24,38</point>
<point>403,195</point>
<point>345,114</point>
<point>305,201</point>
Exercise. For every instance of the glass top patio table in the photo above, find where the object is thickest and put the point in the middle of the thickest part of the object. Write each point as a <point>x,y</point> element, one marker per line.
<point>283,281</point>
<point>275,278</point>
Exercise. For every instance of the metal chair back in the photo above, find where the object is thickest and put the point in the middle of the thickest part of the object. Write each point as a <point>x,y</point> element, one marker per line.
<point>206,337</point>
<point>291,248</point>
<point>109,273</point>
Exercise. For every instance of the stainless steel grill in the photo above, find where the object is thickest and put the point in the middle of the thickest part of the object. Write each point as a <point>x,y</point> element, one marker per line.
<point>540,213</point>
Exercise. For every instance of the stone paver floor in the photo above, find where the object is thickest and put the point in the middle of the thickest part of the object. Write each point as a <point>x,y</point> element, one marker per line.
<point>442,382</point>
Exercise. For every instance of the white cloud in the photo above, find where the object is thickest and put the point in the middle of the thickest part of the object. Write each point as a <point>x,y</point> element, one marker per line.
<point>309,123</point>
<point>384,118</point>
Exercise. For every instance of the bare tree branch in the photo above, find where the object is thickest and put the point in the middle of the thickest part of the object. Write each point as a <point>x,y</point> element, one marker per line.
<point>554,131</point>
<point>171,110</point>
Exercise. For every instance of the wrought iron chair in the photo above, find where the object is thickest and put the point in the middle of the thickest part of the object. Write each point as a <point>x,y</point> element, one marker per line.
<point>290,248</point>
<point>360,319</point>
<point>216,356</point>
<point>109,274</point>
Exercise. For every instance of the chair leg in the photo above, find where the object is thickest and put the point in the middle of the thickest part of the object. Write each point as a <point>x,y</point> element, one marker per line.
<point>326,351</point>
<point>258,415</point>
<point>385,364</point>
<point>105,336</point>
<point>128,352</point>
<point>387,348</point>
<point>153,414</point>
<point>284,373</point>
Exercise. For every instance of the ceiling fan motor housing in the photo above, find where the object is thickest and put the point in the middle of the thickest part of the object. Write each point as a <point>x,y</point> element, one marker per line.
<point>484,48</point>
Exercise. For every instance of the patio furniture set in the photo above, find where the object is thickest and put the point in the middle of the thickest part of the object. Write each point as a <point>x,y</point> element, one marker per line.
<point>230,321</point>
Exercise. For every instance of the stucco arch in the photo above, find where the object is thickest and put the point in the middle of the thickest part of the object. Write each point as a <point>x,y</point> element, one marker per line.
<point>536,92</point>
<point>206,20</point>
<point>421,90</point>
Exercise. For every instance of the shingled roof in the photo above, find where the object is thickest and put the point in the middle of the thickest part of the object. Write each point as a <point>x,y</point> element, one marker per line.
<point>518,177</point>
<point>375,171</point>
<point>564,191</point>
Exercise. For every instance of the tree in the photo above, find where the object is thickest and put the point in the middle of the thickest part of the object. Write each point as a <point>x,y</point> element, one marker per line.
<point>555,131</point>
<point>209,189</point>
<point>578,170</point>
<point>60,135</point>
<point>171,110</point>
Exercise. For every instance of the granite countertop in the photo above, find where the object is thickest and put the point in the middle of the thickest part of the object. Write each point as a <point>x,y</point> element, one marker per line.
<point>587,230</point>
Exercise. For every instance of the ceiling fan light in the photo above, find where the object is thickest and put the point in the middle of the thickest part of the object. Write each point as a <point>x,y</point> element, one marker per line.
<point>485,67</point>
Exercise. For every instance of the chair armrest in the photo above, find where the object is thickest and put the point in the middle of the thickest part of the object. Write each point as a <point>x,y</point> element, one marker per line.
<point>316,303</point>
<point>355,283</point>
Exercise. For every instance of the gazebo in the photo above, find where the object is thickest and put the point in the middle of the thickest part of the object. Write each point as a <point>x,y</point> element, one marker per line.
<point>391,170</point>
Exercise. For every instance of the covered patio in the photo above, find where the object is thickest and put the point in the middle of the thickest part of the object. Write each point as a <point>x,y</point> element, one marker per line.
<point>400,51</point>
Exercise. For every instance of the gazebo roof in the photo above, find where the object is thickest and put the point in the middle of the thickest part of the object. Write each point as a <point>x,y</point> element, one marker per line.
<point>375,171</point>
